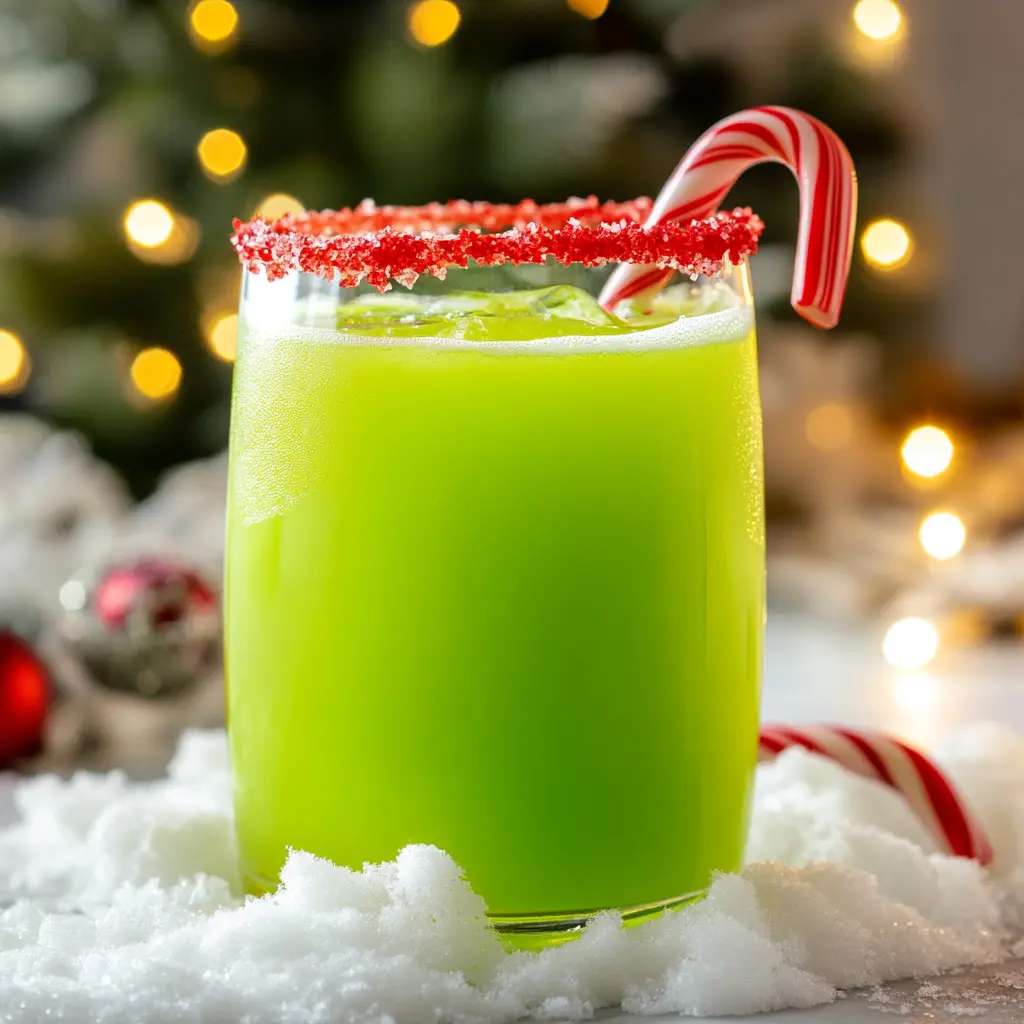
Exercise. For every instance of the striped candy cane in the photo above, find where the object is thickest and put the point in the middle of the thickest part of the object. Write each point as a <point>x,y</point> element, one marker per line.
<point>828,202</point>
<point>931,795</point>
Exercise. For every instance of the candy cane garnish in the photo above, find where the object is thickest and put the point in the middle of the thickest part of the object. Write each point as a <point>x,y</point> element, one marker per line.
<point>930,793</point>
<point>828,202</point>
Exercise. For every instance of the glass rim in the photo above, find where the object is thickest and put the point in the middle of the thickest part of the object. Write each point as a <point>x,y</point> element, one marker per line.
<point>399,244</point>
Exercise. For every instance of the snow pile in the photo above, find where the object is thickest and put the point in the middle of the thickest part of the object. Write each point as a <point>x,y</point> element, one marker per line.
<point>120,903</point>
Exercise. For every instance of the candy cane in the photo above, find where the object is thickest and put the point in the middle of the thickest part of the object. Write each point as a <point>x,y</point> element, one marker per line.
<point>828,202</point>
<point>930,793</point>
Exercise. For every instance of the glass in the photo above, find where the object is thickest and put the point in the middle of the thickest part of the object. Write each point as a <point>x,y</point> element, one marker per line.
<point>503,598</point>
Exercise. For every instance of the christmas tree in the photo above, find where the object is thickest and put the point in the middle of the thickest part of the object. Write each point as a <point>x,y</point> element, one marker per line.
<point>140,129</point>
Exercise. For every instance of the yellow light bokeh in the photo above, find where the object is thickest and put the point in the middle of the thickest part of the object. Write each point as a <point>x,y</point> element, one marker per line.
<point>222,336</point>
<point>213,24</point>
<point>886,244</point>
<point>15,366</point>
<point>179,246</point>
<point>927,451</point>
<point>910,644</point>
<point>433,22</point>
<point>148,223</point>
<point>942,535</point>
<point>588,8</point>
<point>829,427</point>
<point>156,373</point>
<point>278,205</point>
<point>878,19</point>
<point>222,154</point>
<point>965,627</point>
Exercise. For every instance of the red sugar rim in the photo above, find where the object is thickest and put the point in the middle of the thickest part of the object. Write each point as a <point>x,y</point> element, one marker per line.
<point>399,243</point>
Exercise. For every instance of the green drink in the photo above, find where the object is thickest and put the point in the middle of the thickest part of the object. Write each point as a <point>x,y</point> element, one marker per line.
<point>495,582</point>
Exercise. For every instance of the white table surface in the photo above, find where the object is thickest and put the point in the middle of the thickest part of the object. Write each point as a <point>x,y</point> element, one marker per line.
<point>822,671</point>
<point>984,995</point>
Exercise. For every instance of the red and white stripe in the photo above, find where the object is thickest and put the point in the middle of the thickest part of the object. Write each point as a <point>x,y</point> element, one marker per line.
<point>930,793</point>
<point>828,202</point>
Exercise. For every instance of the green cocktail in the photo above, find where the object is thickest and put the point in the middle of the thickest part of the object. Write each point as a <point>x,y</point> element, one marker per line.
<point>495,582</point>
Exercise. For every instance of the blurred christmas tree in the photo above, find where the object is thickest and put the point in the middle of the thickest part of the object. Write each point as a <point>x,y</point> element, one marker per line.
<point>132,131</point>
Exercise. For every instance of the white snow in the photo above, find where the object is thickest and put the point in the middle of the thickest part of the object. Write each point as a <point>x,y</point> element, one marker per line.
<point>122,905</point>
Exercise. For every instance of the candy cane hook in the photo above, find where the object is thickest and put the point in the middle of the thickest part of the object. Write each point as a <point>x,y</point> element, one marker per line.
<point>828,202</point>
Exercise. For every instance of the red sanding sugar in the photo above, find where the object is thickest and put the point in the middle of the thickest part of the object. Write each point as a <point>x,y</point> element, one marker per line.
<point>399,243</point>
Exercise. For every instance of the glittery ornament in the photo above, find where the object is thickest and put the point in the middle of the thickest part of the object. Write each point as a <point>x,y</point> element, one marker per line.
<point>150,627</point>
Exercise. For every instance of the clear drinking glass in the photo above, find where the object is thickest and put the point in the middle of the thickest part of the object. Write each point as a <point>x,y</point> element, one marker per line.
<point>501,593</point>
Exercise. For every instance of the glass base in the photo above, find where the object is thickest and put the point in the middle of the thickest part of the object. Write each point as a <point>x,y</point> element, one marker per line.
<point>537,931</point>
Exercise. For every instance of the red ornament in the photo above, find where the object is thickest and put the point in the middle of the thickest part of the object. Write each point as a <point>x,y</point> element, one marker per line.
<point>24,699</point>
<point>151,628</point>
<point>151,593</point>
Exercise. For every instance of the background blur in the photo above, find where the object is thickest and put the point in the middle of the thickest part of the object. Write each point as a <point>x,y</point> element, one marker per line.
<point>209,110</point>
<point>133,131</point>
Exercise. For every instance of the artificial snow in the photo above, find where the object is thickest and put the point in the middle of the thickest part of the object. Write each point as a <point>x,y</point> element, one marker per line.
<point>121,904</point>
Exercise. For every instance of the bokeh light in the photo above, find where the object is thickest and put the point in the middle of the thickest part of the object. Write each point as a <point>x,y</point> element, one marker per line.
<point>148,223</point>
<point>433,22</point>
<point>222,154</point>
<point>177,247</point>
<point>927,451</point>
<point>878,19</point>
<point>73,595</point>
<point>910,644</point>
<point>829,427</point>
<point>278,205</point>
<point>15,366</point>
<point>589,8</point>
<point>222,336</point>
<point>213,24</point>
<point>156,373</point>
<point>886,244</point>
<point>942,535</point>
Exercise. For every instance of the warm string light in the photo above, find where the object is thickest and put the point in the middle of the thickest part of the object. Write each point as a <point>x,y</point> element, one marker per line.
<point>148,223</point>
<point>278,205</point>
<point>927,451</point>
<point>155,234</point>
<point>966,627</point>
<point>942,535</point>
<point>886,244</point>
<point>222,336</point>
<point>15,365</point>
<point>433,22</point>
<point>222,154</point>
<point>910,644</point>
<point>829,427</point>
<point>588,8</point>
<point>877,36</point>
<point>156,373</point>
<point>878,19</point>
<point>213,25</point>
